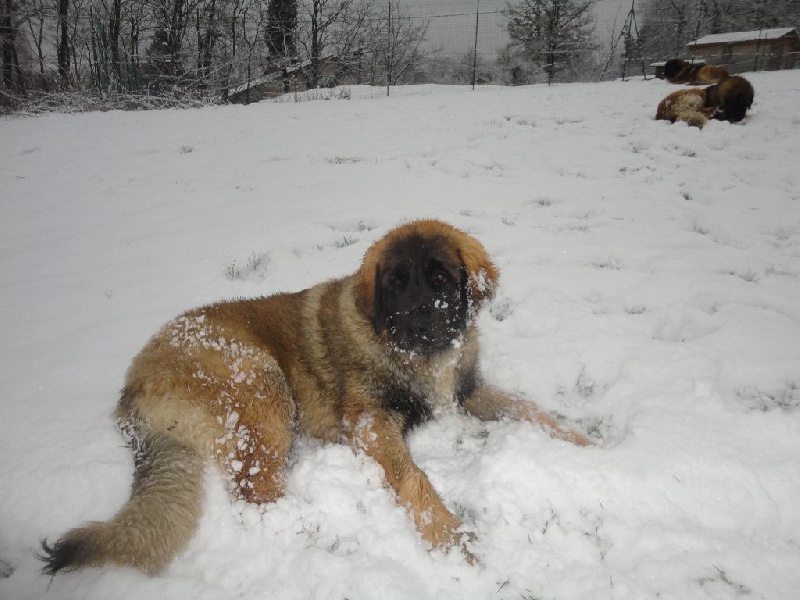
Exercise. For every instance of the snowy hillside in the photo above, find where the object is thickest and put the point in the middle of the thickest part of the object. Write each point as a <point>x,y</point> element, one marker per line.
<point>650,294</point>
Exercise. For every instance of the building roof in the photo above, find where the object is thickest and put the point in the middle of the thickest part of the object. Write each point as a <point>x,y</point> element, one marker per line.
<point>743,36</point>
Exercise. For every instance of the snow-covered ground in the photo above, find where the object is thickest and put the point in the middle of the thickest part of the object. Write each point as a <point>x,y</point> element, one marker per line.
<point>650,294</point>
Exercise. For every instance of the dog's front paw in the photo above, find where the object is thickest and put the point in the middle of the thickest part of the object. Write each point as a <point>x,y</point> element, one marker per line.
<point>465,539</point>
<point>442,529</point>
<point>438,526</point>
<point>573,436</point>
<point>577,438</point>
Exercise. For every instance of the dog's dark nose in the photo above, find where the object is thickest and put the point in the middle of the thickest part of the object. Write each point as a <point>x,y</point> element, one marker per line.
<point>418,331</point>
<point>418,323</point>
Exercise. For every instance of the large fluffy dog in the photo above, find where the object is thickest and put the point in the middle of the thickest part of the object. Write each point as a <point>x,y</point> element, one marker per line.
<point>725,101</point>
<point>361,360</point>
<point>680,71</point>
<point>731,98</point>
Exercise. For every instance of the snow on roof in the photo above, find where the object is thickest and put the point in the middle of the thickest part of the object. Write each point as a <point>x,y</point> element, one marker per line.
<point>742,36</point>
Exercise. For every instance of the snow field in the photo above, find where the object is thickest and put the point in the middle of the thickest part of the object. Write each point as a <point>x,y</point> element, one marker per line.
<point>649,294</point>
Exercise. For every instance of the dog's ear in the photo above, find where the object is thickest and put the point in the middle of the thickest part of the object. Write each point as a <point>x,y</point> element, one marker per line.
<point>481,272</point>
<point>367,281</point>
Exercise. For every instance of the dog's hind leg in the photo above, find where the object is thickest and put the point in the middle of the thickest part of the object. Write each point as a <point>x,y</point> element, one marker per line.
<point>224,394</point>
<point>259,426</point>
<point>228,399</point>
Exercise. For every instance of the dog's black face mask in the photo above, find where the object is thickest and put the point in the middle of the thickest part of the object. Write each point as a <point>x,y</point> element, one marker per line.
<point>421,297</point>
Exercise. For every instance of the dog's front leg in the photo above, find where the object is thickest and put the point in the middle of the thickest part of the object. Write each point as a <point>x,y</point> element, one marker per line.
<point>490,404</point>
<point>380,436</point>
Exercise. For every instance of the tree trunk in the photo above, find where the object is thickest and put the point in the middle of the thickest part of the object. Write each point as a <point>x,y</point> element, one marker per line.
<point>63,42</point>
<point>313,78</point>
<point>207,56</point>
<point>114,25</point>
<point>8,50</point>
<point>175,38</point>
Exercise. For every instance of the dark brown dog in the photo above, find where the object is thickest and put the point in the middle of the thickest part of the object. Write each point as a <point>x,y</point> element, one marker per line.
<point>361,360</point>
<point>680,71</point>
<point>731,98</point>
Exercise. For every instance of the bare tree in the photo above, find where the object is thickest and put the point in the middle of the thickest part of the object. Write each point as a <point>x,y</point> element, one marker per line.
<point>227,47</point>
<point>63,42</point>
<point>318,22</point>
<point>79,33</point>
<point>719,16</point>
<point>114,28</point>
<point>12,73</point>
<point>553,35</point>
<point>134,23</point>
<point>166,60</point>
<point>207,33</point>
<point>281,26</point>
<point>351,40</point>
<point>252,30</point>
<point>404,37</point>
<point>367,42</point>
<point>37,19</point>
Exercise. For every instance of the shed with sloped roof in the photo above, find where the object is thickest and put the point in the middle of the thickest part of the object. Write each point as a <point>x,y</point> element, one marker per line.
<point>738,51</point>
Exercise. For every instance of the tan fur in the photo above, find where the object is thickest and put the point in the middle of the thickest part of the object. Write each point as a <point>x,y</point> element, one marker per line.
<point>685,105</point>
<point>708,74</point>
<point>158,520</point>
<point>697,74</point>
<point>231,383</point>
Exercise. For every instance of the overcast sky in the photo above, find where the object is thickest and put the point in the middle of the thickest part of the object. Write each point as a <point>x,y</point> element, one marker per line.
<point>453,23</point>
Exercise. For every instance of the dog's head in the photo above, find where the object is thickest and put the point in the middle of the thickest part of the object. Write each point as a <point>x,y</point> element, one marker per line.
<point>736,96</point>
<point>673,67</point>
<point>421,285</point>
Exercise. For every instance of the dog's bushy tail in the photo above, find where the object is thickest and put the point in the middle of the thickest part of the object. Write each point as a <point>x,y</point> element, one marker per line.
<point>155,524</point>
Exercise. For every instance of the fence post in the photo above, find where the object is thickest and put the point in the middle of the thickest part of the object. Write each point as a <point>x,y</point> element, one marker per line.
<point>389,50</point>
<point>475,47</point>
<point>760,26</point>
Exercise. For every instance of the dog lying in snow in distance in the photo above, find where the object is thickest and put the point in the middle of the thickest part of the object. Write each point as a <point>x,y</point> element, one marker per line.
<point>688,106</point>
<point>728,100</point>
<point>732,98</point>
<point>681,71</point>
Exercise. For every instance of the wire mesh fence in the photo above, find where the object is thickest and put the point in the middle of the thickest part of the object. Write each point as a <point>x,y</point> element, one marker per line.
<point>467,42</point>
<point>473,42</point>
<point>190,51</point>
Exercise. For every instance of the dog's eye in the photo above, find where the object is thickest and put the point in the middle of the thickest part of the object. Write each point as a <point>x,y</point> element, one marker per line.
<point>439,278</point>
<point>397,281</point>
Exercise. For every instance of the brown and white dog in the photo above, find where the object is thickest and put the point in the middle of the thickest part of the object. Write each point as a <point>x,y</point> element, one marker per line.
<point>359,360</point>
<point>680,71</point>
<point>688,106</point>
<point>725,101</point>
